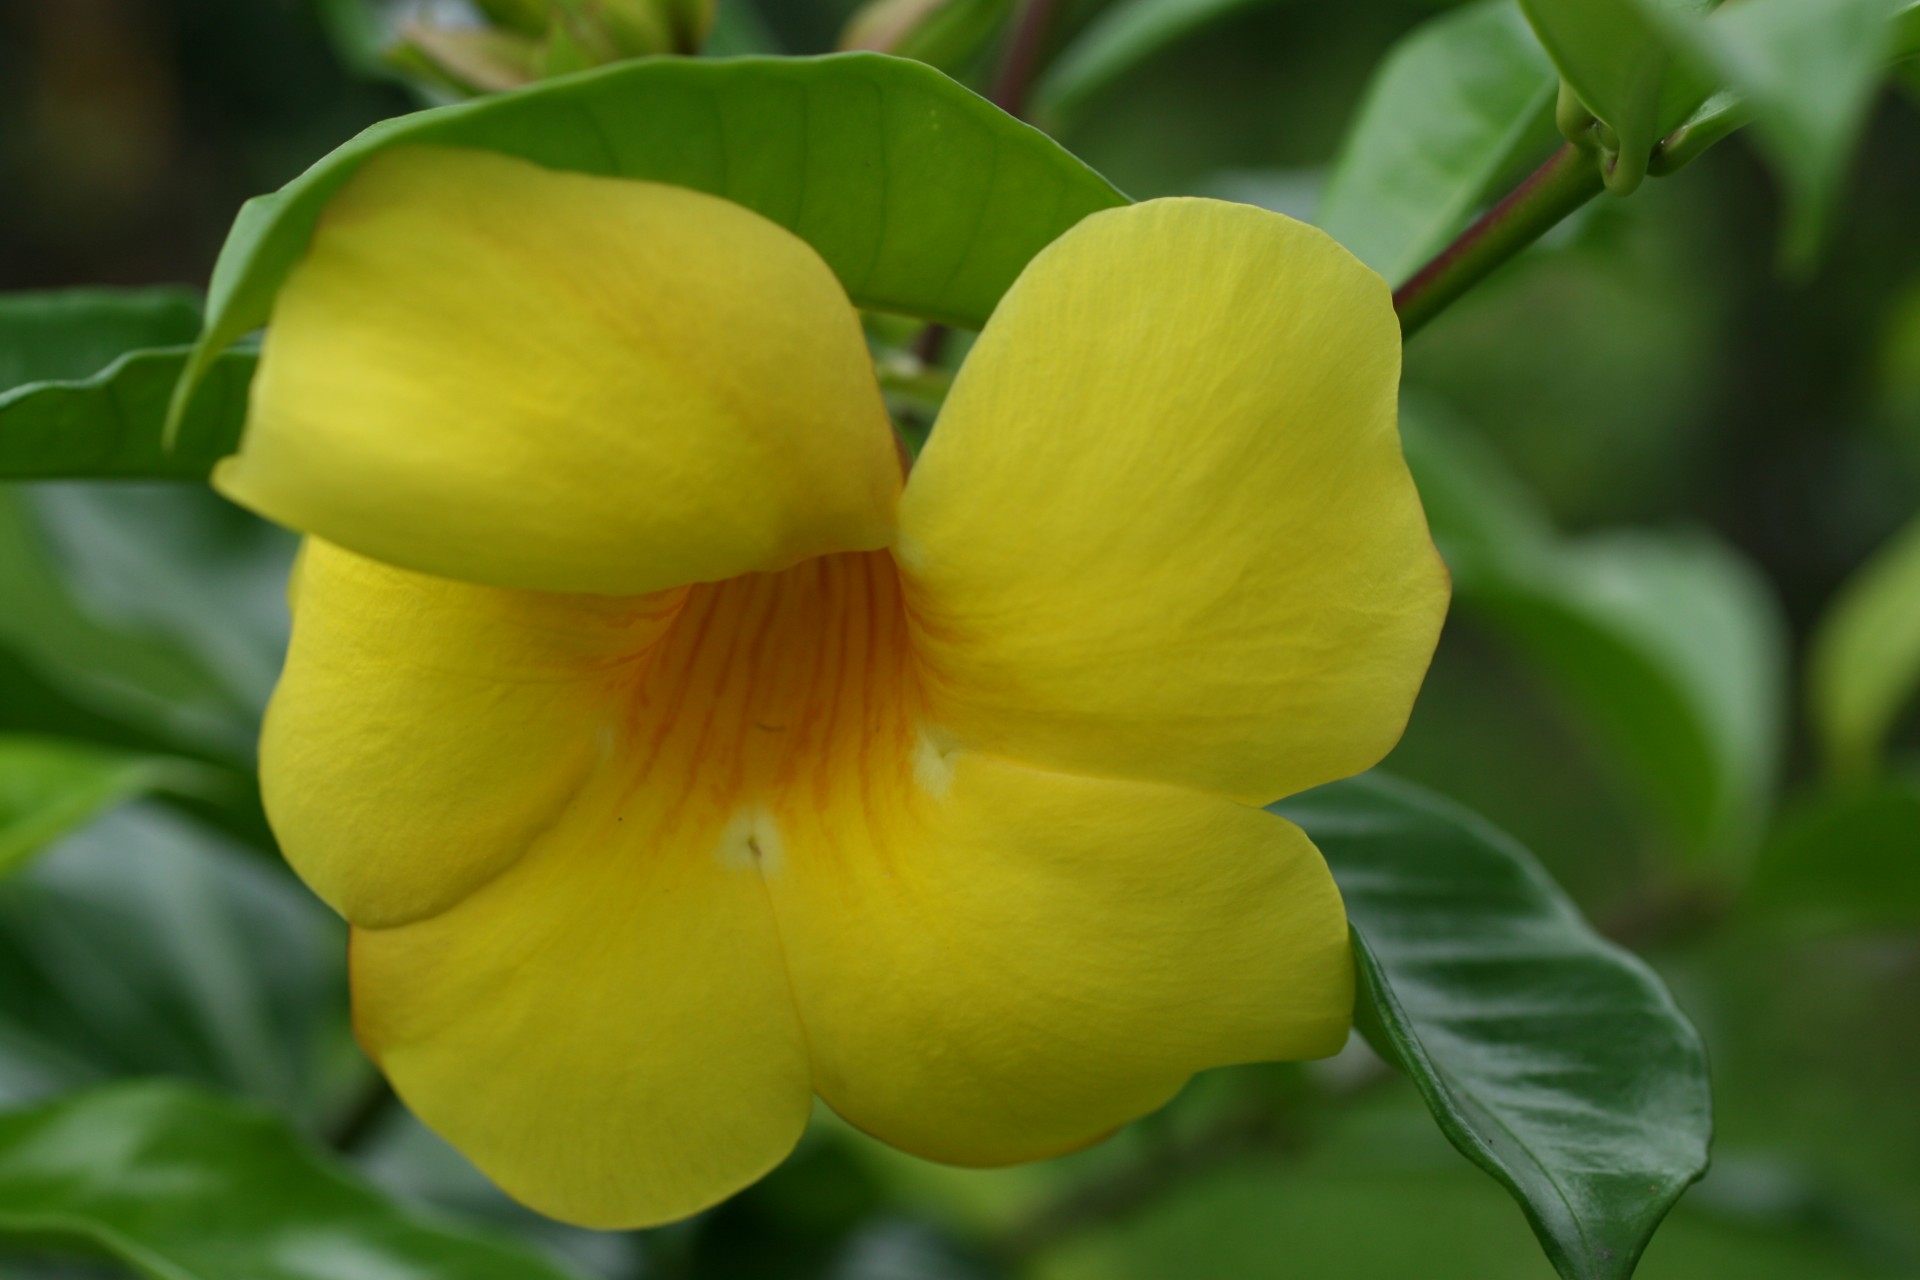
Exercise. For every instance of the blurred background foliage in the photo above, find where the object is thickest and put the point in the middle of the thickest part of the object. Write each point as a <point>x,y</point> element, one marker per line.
<point>1664,467</point>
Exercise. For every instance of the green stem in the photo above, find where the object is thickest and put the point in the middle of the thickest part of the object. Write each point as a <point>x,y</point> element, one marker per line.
<point>1568,179</point>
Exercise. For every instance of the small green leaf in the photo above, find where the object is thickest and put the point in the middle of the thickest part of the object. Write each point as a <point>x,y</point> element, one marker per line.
<point>67,334</point>
<point>1449,111</point>
<point>1846,860</point>
<point>180,1185</point>
<point>1123,36</point>
<point>1551,1058</point>
<point>1616,55</point>
<point>923,197</point>
<point>50,786</point>
<point>1864,663</point>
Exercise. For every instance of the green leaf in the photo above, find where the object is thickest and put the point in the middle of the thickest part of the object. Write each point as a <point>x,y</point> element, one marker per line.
<point>1864,662</point>
<point>923,197</point>
<point>1551,1058</point>
<point>1846,860</point>
<point>157,606</point>
<point>110,425</point>
<point>180,1185</point>
<point>50,786</point>
<point>1673,648</point>
<point>1616,55</point>
<point>1806,71</point>
<point>74,333</point>
<point>1449,112</point>
<point>1669,645</point>
<point>1124,35</point>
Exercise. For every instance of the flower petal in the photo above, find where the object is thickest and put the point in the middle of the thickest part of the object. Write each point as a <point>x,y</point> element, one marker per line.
<point>605,1029</point>
<point>1032,959</point>
<point>1163,529</point>
<point>424,732</point>
<point>493,372</point>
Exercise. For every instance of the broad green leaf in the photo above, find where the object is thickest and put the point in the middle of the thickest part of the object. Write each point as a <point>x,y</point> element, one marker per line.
<point>1670,646</point>
<point>50,786</point>
<point>1551,1058</point>
<point>180,1185</point>
<point>157,606</point>
<point>923,197</point>
<point>110,425</point>
<point>147,944</point>
<point>1124,35</point>
<point>1864,664</point>
<point>1847,859</point>
<point>1447,114</point>
<point>67,334</point>
<point>1616,55</point>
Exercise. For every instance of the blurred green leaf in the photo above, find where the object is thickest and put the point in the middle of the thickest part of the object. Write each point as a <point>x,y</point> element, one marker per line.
<point>181,1185</point>
<point>1672,647</point>
<point>1806,71</point>
<point>1669,645</point>
<point>50,786</point>
<point>1449,111</point>
<point>1847,859</point>
<point>923,197</point>
<point>147,944</point>
<point>1551,1058</point>
<point>1616,55</point>
<point>158,606</point>
<point>1124,35</point>
<point>1864,661</point>
<point>65,334</point>
<point>948,34</point>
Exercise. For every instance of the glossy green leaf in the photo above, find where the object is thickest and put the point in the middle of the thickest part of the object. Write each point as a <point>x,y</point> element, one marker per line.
<point>923,197</point>
<point>1448,113</point>
<point>148,944</point>
<point>1124,35</point>
<point>1616,55</point>
<point>180,1185</point>
<point>1864,665</point>
<point>1668,645</point>
<point>50,786</point>
<point>1846,859</point>
<point>1551,1058</point>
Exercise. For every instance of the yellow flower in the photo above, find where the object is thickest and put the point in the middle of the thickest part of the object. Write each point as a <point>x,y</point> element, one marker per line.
<point>677,761</point>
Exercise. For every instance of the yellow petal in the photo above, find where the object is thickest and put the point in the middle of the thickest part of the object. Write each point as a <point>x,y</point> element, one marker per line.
<point>1163,529</point>
<point>424,732</point>
<point>1015,962</point>
<point>605,1029</point>
<point>489,371</point>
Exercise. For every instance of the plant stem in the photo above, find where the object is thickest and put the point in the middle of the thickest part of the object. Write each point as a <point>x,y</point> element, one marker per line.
<point>1568,179</point>
<point>1022,57</point>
